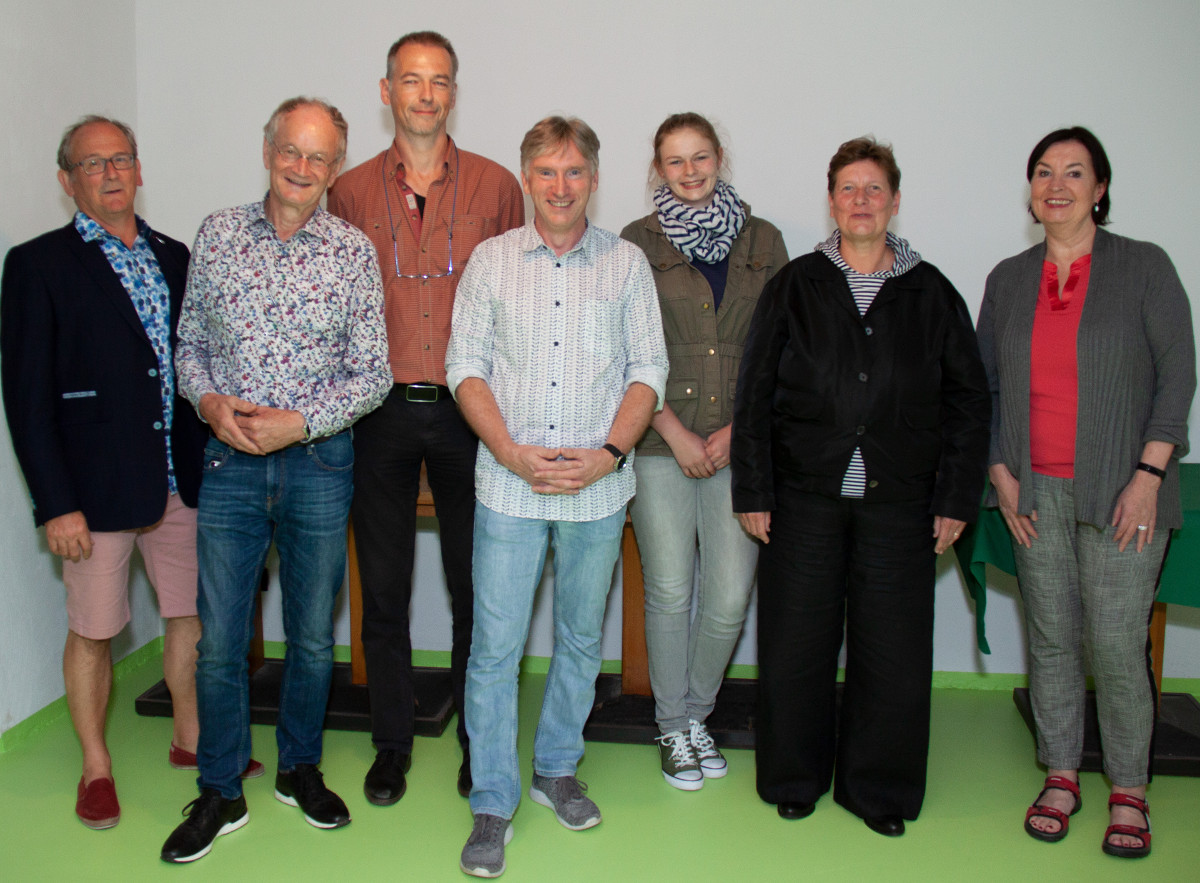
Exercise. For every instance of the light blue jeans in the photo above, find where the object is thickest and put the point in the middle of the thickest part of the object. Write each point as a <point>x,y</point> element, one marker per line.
<point>688,654</point>
<point>508,559</point>
<point>300,498</point>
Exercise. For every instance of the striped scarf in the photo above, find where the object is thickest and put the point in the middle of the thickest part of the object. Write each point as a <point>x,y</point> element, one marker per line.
<point>703,234</point>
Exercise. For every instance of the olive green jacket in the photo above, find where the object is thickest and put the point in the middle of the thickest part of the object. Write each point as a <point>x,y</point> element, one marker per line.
<point>704,345</point>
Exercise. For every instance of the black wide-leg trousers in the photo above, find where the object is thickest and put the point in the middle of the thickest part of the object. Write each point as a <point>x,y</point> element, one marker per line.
<point>868,568</point>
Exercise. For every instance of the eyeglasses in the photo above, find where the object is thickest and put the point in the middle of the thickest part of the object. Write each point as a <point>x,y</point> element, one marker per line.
<point>95,165</point>
<point>449,234</point>
<point>318,162</point>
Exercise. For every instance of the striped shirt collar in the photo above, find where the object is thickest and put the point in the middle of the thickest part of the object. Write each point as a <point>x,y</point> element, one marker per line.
<point>905,257</point>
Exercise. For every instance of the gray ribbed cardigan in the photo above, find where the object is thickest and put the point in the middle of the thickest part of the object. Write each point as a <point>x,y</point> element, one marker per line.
<point>1137,371</point>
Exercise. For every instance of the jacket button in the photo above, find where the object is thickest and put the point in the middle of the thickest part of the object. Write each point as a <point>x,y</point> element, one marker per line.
<point>688,391</point>
<point>872,483</point>
<point>712,399</point>
<point>860,430</point>
<point>863,376</point>
<point>704,307</point>
<point>158,424</point>
<point>869,330</point>
<point>153,372</point>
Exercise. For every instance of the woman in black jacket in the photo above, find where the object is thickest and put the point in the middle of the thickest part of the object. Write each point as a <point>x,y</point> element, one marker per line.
<point>860,441</point>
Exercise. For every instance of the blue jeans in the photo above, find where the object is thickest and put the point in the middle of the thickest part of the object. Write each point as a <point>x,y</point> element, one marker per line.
<point>688,655</point>
<point>300,497</point>
<point>509,556</point>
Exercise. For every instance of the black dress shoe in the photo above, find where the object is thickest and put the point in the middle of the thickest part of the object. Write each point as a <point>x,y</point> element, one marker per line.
<point>385,783</point>
<point>305,787</point>
<point>793,809</point>
<point>464,774</point>
<point>208,817</point>
<point>888,826</point>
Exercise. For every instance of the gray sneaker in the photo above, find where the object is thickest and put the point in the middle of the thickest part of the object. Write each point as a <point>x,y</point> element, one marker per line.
<point>679,765</point>
<point>712,762</point>
<point>564,795</point>
<point>483,856</point>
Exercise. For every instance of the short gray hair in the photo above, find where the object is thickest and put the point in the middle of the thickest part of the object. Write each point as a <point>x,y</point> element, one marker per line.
<point>64,146</point>
<point>555,131</point>
<point>335,117</point>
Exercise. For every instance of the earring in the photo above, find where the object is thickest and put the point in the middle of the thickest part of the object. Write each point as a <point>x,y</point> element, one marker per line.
<point>1096,207</point>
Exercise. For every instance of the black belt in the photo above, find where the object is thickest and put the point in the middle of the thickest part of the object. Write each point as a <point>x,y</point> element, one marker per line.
<point>298,444</point>
<point>425,393</point>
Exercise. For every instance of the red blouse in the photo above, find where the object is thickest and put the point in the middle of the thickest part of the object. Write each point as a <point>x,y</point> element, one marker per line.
<point>1054,369</point>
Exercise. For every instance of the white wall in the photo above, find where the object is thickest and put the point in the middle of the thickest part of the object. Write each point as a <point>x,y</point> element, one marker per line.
<point>54,67</point>
<point>962,89</point>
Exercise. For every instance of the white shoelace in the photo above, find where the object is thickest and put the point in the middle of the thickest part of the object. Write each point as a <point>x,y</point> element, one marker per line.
<point>681,748</point>
<point>702,741</point>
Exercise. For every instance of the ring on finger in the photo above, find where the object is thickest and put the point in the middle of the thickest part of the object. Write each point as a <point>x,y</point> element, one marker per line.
<point>1143,527</point>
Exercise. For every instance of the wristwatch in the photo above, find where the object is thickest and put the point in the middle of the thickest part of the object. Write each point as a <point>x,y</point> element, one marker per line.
<point>618,454</point>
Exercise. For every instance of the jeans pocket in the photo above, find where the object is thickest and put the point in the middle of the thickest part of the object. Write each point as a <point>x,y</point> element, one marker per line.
<point>216,454</point>
<point>335,455</point>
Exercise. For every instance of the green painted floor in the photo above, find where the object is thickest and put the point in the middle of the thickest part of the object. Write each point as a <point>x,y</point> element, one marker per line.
<point>982,775</point>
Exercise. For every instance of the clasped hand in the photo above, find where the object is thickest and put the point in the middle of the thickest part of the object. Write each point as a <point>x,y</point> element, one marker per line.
<point>559,470</point>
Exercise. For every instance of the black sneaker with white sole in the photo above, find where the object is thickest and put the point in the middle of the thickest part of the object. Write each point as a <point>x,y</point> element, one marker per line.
<point>305,787</point>
<point>207,817</point>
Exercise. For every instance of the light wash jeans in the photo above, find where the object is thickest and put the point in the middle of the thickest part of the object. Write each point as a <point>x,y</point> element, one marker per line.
<point>509,556</point>
<point>300,497</point>
<point>688,655</point>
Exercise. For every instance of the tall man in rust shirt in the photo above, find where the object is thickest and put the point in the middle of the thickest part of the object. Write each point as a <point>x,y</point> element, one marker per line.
<point>425,204</point>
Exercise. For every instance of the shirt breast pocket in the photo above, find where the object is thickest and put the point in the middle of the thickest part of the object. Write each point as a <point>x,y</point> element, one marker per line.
<point>600,327</point>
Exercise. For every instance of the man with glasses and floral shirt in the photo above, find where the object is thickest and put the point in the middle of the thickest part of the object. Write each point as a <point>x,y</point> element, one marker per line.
<point>281,348</point>
<point>110,453</point>
<point>425,204</point>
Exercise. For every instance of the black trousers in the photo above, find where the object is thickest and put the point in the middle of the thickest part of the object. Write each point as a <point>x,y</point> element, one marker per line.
<point>867,567</point>
<point>389,445</point>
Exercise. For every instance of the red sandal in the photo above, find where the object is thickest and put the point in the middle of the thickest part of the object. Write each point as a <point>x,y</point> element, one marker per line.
<point>1143,834</point>
<point>1049,812</point>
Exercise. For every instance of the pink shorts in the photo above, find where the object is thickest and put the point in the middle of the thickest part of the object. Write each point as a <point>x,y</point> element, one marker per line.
<point>98,587</point>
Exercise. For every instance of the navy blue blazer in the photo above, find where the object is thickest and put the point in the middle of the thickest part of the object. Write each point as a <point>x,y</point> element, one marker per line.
<point>81,386</point>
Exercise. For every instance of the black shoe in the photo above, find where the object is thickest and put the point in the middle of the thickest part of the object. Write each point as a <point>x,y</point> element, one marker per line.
<point>792,809</point>
<point>888,826</point>
<point>207,817</point>
<point>464,773</point>
<point>305,787</point>
<point>385,783</point>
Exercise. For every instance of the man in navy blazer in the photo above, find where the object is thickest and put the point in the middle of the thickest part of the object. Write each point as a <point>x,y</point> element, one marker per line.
<point>111,455</point>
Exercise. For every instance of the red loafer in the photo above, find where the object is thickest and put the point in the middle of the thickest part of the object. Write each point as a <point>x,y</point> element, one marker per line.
<point>185,760</point>
<point>96,804</point>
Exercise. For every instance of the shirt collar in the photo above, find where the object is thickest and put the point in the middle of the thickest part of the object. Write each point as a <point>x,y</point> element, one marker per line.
<point>314,226</point>
<point>531,241</point>
<point>905,258</point>
<point>90,230</point>
<point>394,165</point>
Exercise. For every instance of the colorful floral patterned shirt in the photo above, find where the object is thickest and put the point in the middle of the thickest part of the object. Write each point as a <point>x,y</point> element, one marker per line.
<point>143,279</point>
<point>295,324</point>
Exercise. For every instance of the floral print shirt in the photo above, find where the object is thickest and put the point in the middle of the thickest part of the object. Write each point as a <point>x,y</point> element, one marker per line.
<point>294,324</point>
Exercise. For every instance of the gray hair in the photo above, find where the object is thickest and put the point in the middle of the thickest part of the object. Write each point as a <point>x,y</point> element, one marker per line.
<point>423,38</point>
<point>335,117</point>
<point>64,146</point>
<point>555,131</point>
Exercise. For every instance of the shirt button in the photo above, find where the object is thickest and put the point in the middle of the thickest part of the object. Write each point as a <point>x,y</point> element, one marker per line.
<point>711,351</point>
<point>551,425</point>
<point>863,376</point>
<point>558,265</point>
<point>869,331</point>
<point>153,372</point>
<point>426,315</point>
<point>872,483</point>
<point>558,303</point>
<point>860,430</point>
<point>158,424</point>
<point>553,383</point>
<point>426,346</point>
<point>556,343</point>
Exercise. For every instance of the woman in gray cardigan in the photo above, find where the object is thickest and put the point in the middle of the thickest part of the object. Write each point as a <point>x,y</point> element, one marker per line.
<point>1087,341</point>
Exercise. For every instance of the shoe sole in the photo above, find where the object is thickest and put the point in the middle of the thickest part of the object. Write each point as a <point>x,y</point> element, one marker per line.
<point>252,771</point>
<point>227,828</point>
<point>683,784</point>
<point>291,801</point>
<point>714,773</point>
<point>479,870</point>
<point>384,801</point>
<point>538,796</point>
<point>99,824</point>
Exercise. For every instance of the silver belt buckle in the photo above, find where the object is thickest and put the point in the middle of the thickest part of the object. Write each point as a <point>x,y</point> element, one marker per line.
<point>421,392</point>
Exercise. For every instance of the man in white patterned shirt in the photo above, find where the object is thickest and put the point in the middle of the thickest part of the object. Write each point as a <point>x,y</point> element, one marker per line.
<point>557,361</point>
<point>281,348</point>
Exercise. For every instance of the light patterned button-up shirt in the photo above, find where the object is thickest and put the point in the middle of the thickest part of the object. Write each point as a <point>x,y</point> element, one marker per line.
<point>558,340</point>
<point>294,324</point>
